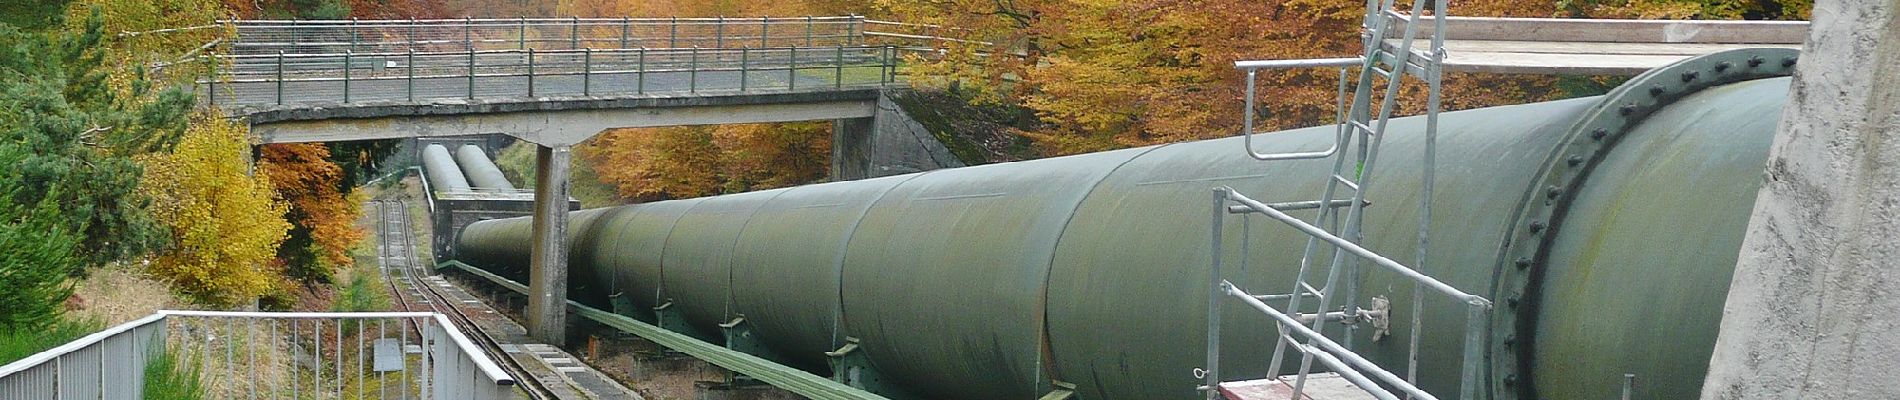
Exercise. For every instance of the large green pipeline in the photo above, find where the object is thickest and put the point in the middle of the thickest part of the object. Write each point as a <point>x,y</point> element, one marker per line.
<point>1604,228</point>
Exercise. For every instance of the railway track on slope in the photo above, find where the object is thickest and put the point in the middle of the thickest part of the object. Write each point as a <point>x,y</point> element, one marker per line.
<point>396,243</point>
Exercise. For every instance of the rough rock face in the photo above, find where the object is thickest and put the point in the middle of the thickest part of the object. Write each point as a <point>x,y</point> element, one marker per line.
<point>1813,305</point>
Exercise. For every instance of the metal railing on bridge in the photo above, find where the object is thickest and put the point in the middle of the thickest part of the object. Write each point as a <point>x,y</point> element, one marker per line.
<point>378,355</point>
<point>412,76</point>
<point>268,37</point>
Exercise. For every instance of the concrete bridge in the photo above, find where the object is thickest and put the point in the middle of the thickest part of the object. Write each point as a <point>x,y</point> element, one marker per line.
<point>556,83</point>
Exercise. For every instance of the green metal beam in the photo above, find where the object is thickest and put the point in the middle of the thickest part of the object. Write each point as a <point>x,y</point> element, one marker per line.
<point>784,377</point>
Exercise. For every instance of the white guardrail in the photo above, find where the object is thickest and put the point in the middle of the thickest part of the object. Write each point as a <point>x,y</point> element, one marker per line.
<point>373,355</point>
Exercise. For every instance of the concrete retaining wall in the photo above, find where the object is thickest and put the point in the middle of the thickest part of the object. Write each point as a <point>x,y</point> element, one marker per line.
<point>889,143</point>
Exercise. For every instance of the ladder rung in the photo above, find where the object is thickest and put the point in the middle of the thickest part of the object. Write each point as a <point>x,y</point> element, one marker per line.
<point>1415,69</point>
<point>1362,126</point>
<point>1270,297</point>
<point>1294,205</point>
<point>1309,289</point>
<point>1397,15</point>
<point>1381,72</point>
<point>1348,182</point>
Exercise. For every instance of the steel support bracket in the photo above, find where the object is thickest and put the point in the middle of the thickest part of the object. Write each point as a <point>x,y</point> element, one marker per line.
<point>1062,391</point>
<point>623,305</point>
<point>850,366</point>
<point>668,317</point>
<point>741,338</point>
<point>1540,210</point>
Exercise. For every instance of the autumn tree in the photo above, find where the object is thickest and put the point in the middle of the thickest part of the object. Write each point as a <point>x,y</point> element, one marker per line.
<point>322,213</point>
<point>226,224</point>
<point>681,162</point>
<point>765,156</point>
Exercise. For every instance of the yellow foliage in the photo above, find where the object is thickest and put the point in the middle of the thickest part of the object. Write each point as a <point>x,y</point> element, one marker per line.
<point>1691,9</point>
<point>226,223</point>
<point>123,17</point>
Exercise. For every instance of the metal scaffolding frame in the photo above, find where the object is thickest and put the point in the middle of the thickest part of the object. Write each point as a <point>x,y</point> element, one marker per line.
<point>1366,123</point>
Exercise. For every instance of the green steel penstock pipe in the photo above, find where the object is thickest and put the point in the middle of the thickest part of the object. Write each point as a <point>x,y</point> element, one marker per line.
<point>443,173</point>
<point>481,171</point>
<point>1605,229</point>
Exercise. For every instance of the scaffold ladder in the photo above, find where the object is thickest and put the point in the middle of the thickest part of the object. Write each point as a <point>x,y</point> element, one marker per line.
<point>1361,130</point>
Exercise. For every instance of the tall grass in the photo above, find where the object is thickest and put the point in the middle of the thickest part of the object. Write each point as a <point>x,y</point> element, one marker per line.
<point>16,344</point>
<point>364,292</point>
<point>167,378</point>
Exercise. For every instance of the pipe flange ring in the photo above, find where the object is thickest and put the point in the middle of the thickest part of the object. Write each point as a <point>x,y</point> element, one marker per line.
<point>1540,210</point>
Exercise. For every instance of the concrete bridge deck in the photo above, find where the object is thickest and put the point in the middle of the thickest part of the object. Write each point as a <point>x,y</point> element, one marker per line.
<point>395,78</point>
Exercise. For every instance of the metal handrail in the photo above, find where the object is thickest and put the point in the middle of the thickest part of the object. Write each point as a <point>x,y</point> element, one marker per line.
<point>1254,66</point>
<point>111,362</point>
<point>273,72</point>
<point>1354,249</point>
<point>262,36</point>
<point>1330,352</point>
<point>85,341</point>
<point>1371,123</point>
<point>651,51</point>
<point>444,21</point>
<point>487,367</point>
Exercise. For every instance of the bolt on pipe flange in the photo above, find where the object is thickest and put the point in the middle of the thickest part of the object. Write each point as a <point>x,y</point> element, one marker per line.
<point>1542,206</point>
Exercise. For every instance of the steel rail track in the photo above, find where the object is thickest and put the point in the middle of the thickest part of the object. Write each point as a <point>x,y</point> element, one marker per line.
<point>439,303</point>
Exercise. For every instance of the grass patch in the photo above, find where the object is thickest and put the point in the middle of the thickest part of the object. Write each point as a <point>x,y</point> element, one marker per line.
<point>166,378</point>
<point>16,344</point>
<point>364,292</point>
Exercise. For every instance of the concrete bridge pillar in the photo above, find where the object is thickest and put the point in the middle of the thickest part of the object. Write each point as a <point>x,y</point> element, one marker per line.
<point>547,273</point>
<point>851,147</point>
<point>1811,311</point>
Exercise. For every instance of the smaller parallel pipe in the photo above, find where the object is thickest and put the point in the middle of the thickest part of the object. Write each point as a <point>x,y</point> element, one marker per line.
<point>443,174</point>
<point>481,171</point>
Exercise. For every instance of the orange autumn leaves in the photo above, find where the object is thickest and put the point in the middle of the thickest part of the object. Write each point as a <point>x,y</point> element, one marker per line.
<point>324,216</point>
<point>1106,74</point>
<point>680,162</point>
